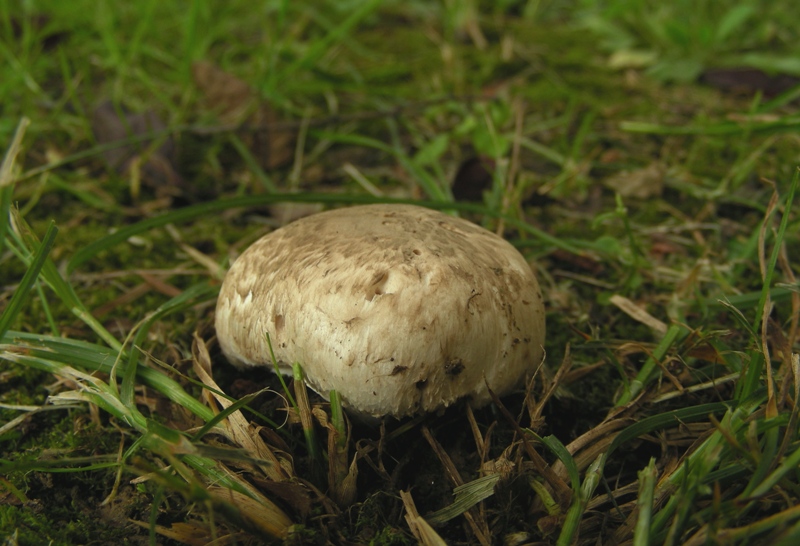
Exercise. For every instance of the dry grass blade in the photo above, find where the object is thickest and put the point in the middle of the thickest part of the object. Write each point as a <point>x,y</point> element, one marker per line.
<point>637,313</point>
<point>590,444</point>
<point>239,429</point>
<point>422,530</point>
<point>476,521</point>
<point>191,533</point>
<point>562,492</point>
<point>746,532</point>
<point>536,406</point>
<point>306,415</point>
<point>786,268</point>
<point>772,407</point>
<point>7,167</point>
<point>342,478</point>
<point>260,512</point>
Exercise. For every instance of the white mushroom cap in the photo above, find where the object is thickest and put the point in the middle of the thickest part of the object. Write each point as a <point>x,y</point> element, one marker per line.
<point>399,308</point>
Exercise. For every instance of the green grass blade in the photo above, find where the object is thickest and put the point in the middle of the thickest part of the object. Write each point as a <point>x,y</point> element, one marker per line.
<point>27,243</point>
<point>6,196</point>
<point>53,352</point>
<point>98,150</point>
<point>6,178</point>
<point>647,374</point>
<point>788,465</point>
<point>779,294</point>
<point>276,368</point>
<point>222,415</point>
<point>569,531</point>
<point>182,301</point>
<point>466,496</point>
<point>22,292</point>
<point>560,451</point>
<point>766,461</point>
<point>336,34</point>
<point>60,465</point>
<point>195,211</point>
<point>666,419</point>
<point>722,128</point>
<point>644,503</point>
<point>252,163</point>
<point>54,329</point>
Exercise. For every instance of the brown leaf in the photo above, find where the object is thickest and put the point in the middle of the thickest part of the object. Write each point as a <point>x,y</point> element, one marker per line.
<point>236,103</point>
<point>296,495</point>
<point>472,179</point>
<point>576,262</point>
<point>227,96</point>
<point>641,183</point>
<point>153,166</point>
<point>748,81</point>
<point>706,352</point>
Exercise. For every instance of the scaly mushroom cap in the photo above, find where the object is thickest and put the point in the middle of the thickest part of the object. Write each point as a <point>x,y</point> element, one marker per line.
<point>399,308</point>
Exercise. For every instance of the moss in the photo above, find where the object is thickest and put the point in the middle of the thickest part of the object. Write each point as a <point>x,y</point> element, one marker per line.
<point>68,512</point>
<point>390,536</point>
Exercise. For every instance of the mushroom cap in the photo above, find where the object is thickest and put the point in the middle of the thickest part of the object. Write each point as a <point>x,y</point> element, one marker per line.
<point>399,308</point>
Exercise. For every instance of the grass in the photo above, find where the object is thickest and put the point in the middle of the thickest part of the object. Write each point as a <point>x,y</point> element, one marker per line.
<point>659,214</point>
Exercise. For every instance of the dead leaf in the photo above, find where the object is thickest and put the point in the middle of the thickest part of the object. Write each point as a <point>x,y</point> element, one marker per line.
<point>472,179</point>
<point>229,97</point>
<point>640,184</point>
<point>236,103</point>
<point>706,352</point>
<point>501,466</point>
<point>747,81</point>
<point>573,262</point>
<point>138,159</point>
<point>295,495</point>
<point>661,247</point>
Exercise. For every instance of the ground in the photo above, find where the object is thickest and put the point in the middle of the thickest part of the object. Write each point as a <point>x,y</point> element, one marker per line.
<point>643,157</point>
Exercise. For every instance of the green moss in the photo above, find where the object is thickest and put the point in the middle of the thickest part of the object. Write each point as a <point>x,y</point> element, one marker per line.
<point>390,536</point>
<point>68,512</point>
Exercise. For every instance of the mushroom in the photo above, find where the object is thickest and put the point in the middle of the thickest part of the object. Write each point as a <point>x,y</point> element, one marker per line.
<point>399,308</point>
